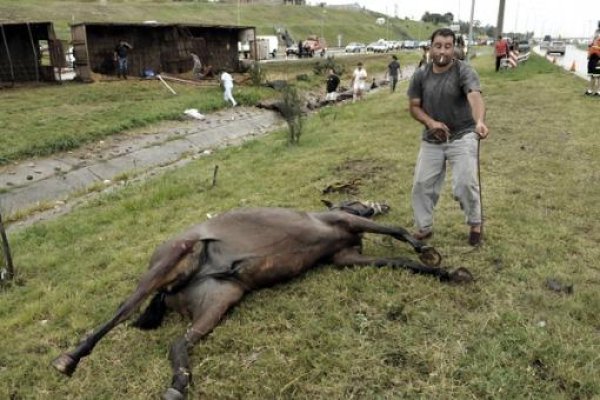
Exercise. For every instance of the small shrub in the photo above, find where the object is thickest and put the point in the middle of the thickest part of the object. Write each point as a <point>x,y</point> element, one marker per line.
<point>257,74</point>
<point>321,67</point>
<point>291,110</point>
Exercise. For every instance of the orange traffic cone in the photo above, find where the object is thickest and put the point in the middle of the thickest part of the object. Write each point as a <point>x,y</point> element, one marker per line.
<point>573,67</point>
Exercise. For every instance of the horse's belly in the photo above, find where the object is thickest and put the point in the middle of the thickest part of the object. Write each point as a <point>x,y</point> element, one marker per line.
<point>270,270</point>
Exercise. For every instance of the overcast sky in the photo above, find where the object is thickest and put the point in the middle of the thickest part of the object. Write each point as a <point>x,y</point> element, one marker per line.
<point>568,18</point>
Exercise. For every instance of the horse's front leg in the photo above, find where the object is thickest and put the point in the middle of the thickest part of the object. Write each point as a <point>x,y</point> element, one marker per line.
<point>209,300</point>
<point>351,257</point>
<point>427,254</point>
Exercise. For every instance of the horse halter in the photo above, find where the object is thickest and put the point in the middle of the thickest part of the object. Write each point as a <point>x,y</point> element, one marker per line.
<point>365,209</point>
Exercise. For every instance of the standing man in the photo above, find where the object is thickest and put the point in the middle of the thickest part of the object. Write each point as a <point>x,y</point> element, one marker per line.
<point>500,50</point>
<point>359,77</point>
<point>121,57</point>
<point>445,96</point>
<point>593,66</point>
<point>227,82</point>
<point>392,72</point>
<point>333,82</point>
<point>197,68</point>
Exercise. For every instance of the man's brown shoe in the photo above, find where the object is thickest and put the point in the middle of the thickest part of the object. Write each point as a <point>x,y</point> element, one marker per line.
<point>423,235</point>
<point>474,238</point>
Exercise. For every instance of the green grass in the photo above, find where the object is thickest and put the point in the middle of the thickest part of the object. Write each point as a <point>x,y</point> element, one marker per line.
<point>44,120</point>
<point>47,119</point>
<point>361,333</point>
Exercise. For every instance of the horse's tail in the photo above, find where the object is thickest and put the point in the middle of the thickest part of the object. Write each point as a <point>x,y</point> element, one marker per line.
<point>153,315</point>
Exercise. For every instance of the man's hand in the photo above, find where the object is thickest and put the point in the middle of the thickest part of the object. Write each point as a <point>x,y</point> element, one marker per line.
<point>482,130</point>
<point>439,130</point>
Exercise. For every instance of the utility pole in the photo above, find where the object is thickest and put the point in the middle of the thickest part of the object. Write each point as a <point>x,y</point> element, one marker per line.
<point>471,23</point>
<point>500,23</point>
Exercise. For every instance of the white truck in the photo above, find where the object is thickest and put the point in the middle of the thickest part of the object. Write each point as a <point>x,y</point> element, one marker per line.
<point>268,45</point>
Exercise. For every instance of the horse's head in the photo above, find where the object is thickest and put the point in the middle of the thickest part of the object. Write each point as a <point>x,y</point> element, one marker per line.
<point>366,209</point>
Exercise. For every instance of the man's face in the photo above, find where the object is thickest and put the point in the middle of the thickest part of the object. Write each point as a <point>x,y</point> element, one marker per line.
<point>442,50</point>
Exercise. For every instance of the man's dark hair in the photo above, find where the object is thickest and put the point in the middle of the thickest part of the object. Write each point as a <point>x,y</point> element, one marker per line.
<point>394,57</point>
<point>445,32</point>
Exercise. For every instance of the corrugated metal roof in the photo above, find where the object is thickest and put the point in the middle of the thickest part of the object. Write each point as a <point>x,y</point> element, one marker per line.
<point>25,22</point>
<point>161,24</point>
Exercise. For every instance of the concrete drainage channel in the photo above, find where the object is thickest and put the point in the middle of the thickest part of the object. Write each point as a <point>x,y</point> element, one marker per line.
<point>45,188</point>
<point>52,184</point>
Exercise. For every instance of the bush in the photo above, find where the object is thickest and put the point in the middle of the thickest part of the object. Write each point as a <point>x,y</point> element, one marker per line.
<point>291,109</point>
<point>257,74</point>
<point>321,67</point>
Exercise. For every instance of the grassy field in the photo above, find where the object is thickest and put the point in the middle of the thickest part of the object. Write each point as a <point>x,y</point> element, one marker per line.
<point>360,333</point>
<point>43,120</point>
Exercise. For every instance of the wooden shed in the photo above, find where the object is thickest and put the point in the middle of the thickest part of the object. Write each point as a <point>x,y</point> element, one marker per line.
<point>156,46</point>
<point>29,51</point>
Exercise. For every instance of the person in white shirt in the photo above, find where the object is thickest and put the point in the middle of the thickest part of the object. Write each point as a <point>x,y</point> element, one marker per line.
<point>227,82</point>
<point>359,77</point>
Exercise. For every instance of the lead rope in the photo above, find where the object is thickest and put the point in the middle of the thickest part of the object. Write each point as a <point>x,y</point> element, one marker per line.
<point>480,188</point>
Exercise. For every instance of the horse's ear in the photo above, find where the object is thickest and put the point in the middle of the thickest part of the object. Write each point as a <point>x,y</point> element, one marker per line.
<point>327,203</point>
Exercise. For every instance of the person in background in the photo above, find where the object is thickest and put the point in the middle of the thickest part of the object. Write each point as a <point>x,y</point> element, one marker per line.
<point>121,57</point>
<point>197,68</point>
<point>424,57</point>
<point>333,81</point>
<point>445,96</point>
<point>500,51</point>
<point>593,66</point>
<point>393,71</point>
<point>359,77</point>
<point>227,83</point>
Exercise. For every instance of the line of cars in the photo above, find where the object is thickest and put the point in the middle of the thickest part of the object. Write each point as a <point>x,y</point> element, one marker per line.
<point>383,46</point>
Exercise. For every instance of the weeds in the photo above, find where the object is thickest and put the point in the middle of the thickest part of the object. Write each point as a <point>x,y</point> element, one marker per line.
<point>321,67</point>
<point>291,110</point>
<point>257,74</point>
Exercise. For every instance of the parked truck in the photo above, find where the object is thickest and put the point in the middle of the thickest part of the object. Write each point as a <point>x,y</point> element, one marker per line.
<point>309,47</point>
<point>269,45</point>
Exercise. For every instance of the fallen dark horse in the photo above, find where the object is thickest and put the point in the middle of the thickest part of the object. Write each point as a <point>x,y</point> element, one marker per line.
<point>208,269</point>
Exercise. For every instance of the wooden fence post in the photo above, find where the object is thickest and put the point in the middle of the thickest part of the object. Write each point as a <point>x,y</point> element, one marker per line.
<point>10,271</point>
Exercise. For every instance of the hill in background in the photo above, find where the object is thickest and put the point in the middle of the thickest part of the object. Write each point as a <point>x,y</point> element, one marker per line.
<point>336,25</point>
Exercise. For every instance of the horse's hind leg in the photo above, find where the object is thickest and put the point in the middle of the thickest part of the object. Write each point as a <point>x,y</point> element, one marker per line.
<point>169,263</point>
<point>209,301</point>
<point>356,224</point>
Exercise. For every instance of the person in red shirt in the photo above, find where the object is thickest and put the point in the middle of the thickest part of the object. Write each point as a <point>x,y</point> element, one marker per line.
<point>593,67</point>
<point>501,51</point>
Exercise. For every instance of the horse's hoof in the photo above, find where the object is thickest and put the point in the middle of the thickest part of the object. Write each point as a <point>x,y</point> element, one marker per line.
<point>172,394</point>
<point>430,256</point>
<point>65,364</point>
<point>461,275</point>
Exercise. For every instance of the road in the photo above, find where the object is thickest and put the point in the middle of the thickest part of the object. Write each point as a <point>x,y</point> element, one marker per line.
<point>573,54</point>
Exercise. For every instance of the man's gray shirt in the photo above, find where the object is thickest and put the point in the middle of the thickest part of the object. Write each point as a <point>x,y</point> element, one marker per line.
<point>444,97</point>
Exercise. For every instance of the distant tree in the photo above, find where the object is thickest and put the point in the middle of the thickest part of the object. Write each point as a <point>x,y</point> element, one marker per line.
<point>437,18</point>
